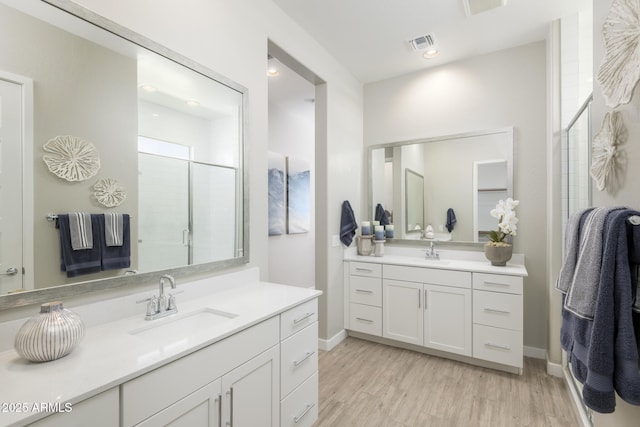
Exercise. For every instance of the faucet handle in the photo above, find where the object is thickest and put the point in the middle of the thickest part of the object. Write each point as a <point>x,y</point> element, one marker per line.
<point>172,303</point>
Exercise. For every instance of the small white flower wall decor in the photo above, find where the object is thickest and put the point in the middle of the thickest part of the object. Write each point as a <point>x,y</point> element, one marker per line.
<point>620,70</point>
<point>71,158</point>
<point>604,150</point>
<point>108,192</point>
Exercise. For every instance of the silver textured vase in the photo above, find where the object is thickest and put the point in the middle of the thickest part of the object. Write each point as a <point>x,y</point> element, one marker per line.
<point>50,335</point>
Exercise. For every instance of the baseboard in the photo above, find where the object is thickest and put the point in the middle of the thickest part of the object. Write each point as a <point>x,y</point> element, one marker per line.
<point>328,345</point>
<point>554,369</point>
<point>534,352</point>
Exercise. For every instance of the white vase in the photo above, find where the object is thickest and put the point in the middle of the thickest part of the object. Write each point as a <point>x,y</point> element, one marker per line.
<point>50,335</point>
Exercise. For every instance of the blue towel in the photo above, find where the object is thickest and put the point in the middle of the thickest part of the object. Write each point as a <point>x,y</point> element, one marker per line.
<point>348,224</point>
<point>115,257</point>
<point>77,262</point>
<point>381,215</point>
<point>451,219</point>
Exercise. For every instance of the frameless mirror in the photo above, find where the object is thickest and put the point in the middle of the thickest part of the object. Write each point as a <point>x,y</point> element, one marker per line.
<point>168,131</point>
<point>461,176</point>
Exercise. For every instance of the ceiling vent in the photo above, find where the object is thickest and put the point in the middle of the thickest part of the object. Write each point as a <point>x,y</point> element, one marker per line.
<point>423,42</point>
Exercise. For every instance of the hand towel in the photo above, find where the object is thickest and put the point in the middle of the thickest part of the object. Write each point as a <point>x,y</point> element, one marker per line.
<point>633,234</point>
<point>77,262</point>
<point>451,219</point>
<point>348,224</point>
<point>113,230</point>
<point>80,231</point>
<point>381,215</point>
<point>583,292</point>
<point>115,257</point>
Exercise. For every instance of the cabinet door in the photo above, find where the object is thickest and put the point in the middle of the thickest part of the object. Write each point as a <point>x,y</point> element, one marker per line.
<point>102,410</point>
<point>251,392</point>
<point>447,319</point>
<point>402,316</point>
<point>199,409</point>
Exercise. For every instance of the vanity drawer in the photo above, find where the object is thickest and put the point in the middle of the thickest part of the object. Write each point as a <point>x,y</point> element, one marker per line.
<point>365,290</point>
<point>497,309</point>
<point>434,276</point>
<point>300,408</point>
<point>365,318</point>
<point>298,358</point>
<point>497,283</point>
<point>295,319</point>
<point>497,345</point>
<point>368,269</point>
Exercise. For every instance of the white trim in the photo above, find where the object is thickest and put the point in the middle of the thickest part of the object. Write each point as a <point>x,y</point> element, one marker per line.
<point>328,345</point>
<point>535,352</point>
<point>554,369</point>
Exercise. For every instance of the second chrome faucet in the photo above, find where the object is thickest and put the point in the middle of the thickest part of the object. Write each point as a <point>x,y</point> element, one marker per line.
<point>161,306</point>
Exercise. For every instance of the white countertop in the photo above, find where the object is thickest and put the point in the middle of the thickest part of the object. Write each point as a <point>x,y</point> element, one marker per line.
<point>109,355</point>
<point>449,260</point>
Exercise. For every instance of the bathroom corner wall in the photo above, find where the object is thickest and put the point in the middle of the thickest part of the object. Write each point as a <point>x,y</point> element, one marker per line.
<point>498,90</point>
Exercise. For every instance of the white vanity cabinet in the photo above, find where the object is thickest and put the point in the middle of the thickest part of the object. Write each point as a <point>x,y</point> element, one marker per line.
<point>97,411</point>
<point>233,382</point>
<point>364,311</point>
<point>428,307</point>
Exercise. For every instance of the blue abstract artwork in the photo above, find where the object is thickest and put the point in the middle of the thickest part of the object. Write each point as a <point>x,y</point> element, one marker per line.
<point>277,193</point>
<point>299,196</point>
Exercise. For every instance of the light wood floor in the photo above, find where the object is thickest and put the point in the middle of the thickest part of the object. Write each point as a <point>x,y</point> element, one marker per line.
<point>368,384</point>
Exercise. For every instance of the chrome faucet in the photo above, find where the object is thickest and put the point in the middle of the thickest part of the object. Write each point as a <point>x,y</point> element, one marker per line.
<point>161,306</point>
<point>432,253</point>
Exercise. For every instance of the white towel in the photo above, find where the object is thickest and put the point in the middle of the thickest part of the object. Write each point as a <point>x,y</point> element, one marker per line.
<point>113,229</point>
<point>80,231</point>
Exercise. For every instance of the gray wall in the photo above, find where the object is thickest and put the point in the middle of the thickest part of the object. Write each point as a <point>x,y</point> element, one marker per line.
<point>506,88</point>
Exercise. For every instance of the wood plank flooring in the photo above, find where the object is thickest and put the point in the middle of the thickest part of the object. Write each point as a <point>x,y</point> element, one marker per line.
<point>368,384</point>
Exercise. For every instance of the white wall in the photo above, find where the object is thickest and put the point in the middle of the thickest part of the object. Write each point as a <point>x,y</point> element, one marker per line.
<point>231,37</point>
<point>506,88</point>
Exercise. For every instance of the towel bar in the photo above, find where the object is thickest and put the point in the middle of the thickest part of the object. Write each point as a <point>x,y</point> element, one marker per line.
<point>52,217</point>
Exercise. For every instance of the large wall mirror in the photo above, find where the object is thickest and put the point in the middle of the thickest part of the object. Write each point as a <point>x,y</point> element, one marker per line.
<point>168,132</point>
<point>461,178</point>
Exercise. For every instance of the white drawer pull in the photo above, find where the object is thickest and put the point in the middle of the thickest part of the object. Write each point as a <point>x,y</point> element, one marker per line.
<point>366,270</point>
<point>497,310</point>
<point>364,291</point>
<point>364,320</point>
<point>303,318</point>
<point>501,347</point>
<point>301,416</point>
<point>305,357</point>
<point>505,285</point>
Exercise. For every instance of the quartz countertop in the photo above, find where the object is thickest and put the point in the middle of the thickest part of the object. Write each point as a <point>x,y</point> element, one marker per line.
<point>110,355</point>
<point>449,260</point>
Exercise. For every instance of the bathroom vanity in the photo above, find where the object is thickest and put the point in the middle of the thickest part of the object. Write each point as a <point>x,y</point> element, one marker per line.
<point>239,352</point>
<point>459,306</point>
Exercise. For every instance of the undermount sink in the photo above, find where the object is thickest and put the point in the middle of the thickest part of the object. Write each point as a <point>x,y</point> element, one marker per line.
<point>179,325</point>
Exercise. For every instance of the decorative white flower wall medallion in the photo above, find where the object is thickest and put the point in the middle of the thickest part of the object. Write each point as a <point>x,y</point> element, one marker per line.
<point>620,70</point>
<point>108,192</point>
<point>71,158</point>
<point>604,151</point>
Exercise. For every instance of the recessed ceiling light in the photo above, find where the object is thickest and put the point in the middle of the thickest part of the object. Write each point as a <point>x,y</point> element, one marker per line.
<point>273,71</point>
<point>473,7</point>
<point>148,88</point>
<point>431,53</point>
<point>192,103</point>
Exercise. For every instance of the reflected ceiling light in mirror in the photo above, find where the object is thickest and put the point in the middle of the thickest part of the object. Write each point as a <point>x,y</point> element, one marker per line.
<point>192,103</point>
<point>148,88</point>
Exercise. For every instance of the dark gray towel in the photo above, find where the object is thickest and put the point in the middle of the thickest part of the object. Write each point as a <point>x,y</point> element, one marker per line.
<point>348,224</point>
<point>451,219</point>
<point>77,262</point>
<point>115,257</point>
<point>381,215</point>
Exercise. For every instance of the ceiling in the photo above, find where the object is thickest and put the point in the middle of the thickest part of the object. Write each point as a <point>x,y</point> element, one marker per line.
<point>370,37</point>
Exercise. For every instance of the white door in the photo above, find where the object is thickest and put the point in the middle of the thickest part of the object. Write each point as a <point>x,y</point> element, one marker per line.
<point>447,319</point>
<point>251,392</point>
<point>402,311</point>
<point>11,125</point>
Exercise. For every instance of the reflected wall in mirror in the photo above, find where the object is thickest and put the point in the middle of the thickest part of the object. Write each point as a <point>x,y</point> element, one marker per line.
<point>449,166</point>
<point>167,129</point>
<point>490,185</point>
<point>414,201</point>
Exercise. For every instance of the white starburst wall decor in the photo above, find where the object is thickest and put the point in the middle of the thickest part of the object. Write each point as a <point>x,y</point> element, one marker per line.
<point>620,70</point>
<point>108,192</point>
<point>71,158</point>
<point>604,150</point>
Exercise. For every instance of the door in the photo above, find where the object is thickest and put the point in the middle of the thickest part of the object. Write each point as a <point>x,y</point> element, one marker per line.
<point>402,316</point>
<point>11,140</point>
<point>202,408</point>
<point>447,319</point>
<point>251,392</point>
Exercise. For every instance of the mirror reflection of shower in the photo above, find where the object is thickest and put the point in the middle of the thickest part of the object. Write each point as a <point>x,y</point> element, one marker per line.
<point>182,219</point>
